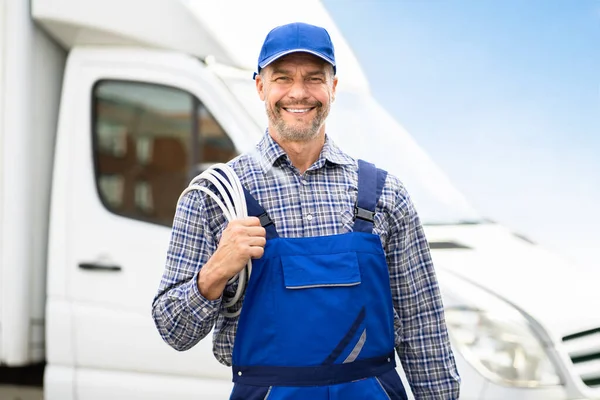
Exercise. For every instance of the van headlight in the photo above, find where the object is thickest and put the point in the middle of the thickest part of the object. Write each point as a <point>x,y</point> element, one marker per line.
<point>501,346</point>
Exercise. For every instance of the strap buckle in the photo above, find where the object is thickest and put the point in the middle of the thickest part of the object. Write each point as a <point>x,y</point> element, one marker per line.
<point>364,214</point>
<point>264,219</point>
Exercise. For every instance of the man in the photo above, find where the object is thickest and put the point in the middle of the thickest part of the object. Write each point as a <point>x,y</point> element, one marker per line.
<point>329,299</point>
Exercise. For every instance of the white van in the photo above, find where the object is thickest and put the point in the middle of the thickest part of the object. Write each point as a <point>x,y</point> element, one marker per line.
<point>108,108</point>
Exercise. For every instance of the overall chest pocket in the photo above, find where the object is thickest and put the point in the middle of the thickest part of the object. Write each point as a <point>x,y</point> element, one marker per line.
<point>321,301</point>
<point>321,271</point>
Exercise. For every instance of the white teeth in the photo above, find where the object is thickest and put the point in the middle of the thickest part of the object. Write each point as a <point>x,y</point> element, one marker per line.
<point>297,110</point>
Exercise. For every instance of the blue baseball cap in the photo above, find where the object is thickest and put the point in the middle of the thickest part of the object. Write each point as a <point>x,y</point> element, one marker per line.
<point>293,38</point>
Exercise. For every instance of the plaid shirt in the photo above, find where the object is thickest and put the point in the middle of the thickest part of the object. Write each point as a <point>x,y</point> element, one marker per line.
<point>316,203</point>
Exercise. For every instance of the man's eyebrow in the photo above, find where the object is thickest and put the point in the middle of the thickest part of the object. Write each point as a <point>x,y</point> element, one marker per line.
<point>284,71</point>
<point>313,73</point>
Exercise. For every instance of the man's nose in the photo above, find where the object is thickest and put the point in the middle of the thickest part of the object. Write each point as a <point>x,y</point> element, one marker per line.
<point>298,90</point>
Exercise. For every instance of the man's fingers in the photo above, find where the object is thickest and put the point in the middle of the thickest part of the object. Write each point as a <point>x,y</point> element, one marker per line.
<point>256,252</point>
<point>243,230</point>
<point>257,241</point>
<point>258,231</point>
<point>247,221</point>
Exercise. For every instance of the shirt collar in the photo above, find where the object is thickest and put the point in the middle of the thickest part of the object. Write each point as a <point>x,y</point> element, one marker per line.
<point>332,153</point>
<point>269,152</point>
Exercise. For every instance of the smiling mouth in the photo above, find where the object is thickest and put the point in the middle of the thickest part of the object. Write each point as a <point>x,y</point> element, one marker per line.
<point>298,110</point>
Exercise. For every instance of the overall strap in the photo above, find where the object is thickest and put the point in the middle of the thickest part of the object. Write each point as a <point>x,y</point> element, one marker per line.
<point>256,210</point>
<point>370,186</point>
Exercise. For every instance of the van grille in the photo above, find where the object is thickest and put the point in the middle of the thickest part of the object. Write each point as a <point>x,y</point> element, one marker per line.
<point>584,350</point>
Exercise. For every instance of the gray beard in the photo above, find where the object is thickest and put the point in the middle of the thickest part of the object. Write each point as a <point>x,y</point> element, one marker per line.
<point>296,133</point>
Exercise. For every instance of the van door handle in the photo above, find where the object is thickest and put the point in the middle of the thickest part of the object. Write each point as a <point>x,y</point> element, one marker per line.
<point>100,267</point>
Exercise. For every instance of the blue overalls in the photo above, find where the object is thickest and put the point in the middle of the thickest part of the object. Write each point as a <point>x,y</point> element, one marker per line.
<point>317,320</point>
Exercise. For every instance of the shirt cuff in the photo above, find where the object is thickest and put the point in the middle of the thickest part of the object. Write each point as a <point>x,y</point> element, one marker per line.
<point>198,304</point>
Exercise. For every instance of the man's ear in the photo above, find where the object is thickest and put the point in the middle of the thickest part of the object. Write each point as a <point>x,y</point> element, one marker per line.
<point>335,82</point>
<point>260,86</point>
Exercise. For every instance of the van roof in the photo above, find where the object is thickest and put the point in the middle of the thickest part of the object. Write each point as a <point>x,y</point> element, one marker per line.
<point>231,31</point>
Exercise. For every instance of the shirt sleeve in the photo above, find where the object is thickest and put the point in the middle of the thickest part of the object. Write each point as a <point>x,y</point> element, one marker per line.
<point>181,314</point>
<point>422,340</point>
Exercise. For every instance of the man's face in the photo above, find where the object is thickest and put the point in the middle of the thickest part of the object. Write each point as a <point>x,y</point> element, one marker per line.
<point>297,90</point>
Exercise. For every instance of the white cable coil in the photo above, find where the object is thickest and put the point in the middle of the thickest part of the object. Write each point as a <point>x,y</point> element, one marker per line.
<point>230,186</point>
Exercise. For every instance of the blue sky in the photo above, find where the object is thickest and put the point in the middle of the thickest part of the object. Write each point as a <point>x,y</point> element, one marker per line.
<point>505,97</point>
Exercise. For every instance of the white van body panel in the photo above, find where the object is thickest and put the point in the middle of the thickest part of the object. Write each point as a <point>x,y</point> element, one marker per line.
<point>17,218</point>
<point>59,382</point>
<point>102,385</point>
<point>163,24</point>
<point>32,67</point>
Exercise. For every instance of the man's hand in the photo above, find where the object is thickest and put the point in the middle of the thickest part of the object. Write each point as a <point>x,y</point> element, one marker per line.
<point>241,240</point>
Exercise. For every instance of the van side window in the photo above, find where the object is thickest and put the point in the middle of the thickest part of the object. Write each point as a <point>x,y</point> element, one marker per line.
<point>149,141</point>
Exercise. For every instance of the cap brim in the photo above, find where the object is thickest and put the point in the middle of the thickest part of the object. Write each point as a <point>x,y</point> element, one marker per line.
<point>286,52</point>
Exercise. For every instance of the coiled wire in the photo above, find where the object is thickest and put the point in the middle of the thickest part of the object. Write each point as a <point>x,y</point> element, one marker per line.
<point>228,186</point>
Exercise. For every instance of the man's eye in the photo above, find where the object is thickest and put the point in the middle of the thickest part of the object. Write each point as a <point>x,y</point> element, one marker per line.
<point>282,79</point>
<point>315,79</point>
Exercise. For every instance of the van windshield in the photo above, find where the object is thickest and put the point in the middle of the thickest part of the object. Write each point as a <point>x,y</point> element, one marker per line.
<point>363,129</point>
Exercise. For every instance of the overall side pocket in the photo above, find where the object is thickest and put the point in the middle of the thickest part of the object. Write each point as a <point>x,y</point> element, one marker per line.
<point>392,386</point>
<point>249,392</point>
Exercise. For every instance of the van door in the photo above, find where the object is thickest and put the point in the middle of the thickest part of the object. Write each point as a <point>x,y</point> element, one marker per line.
<point>139,126</point>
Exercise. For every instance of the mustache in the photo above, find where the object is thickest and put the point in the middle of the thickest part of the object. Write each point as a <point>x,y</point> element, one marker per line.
<point>279,104</point>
